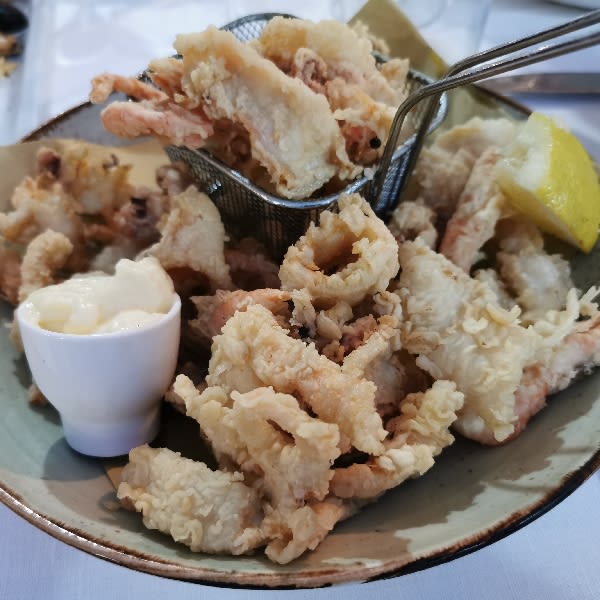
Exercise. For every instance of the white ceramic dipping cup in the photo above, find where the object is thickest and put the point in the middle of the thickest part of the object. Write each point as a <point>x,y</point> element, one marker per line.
<point>107,387</point>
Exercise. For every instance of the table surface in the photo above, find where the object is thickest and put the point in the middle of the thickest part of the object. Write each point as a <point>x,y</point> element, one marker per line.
<point>554,557</point>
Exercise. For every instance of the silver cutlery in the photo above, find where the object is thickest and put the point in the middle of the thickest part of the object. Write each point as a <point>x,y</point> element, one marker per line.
<point>545,83</point>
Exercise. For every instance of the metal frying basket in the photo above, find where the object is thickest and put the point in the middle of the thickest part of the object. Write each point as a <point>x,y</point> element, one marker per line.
<point>248,210</point>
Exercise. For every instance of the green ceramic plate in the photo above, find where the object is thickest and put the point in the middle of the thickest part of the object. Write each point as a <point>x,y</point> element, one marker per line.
<point>472,497</point>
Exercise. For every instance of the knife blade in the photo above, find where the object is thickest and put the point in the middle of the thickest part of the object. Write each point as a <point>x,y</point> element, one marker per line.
<point>545,83</point>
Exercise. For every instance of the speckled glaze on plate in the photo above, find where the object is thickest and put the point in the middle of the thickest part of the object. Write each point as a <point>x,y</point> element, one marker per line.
<point>472,496</point>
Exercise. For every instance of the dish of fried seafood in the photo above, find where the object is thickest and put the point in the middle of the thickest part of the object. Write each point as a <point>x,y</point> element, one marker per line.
<point>325,381</point>
<point>303,106</point>
<point>289,343</point>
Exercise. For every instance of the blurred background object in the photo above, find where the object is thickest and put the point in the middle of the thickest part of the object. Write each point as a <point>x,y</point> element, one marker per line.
<point>578,3</point>
<point>12,19</point>
<point>69,41</point>
<point>453,28</point>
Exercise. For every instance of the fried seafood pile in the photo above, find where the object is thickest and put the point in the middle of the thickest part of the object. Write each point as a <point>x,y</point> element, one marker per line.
<point>345,380</point>
<point>325,381</point>
<point>302,107</point>
<point>77,214</point>
<point>310,403</point>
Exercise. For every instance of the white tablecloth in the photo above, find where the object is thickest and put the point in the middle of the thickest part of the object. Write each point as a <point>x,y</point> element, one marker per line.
<point>555,557</point>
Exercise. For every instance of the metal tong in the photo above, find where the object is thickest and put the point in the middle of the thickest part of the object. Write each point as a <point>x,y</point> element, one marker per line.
<point>469,70</point>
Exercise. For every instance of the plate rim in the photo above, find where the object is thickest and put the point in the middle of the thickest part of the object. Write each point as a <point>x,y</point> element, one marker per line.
<point>150,565</point>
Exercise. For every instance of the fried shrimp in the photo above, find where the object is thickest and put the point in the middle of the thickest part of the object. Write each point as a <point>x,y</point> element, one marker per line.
<point>479,207</point>
<point>569,348</point>
<point>345,258</point>
<point>445,166</point>
<point>539,281</point>
<point>105,84</point>
<point>572,348</point>
<point>455,325</point>
<point>253,350</point>
<point>504,369</point>
<point>177,125</point>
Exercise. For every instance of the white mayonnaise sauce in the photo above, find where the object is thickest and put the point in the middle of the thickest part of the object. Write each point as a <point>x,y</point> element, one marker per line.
<point>137,295</point>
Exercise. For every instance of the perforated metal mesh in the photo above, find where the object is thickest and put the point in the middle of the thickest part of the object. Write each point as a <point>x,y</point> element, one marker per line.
<point>248,210</point>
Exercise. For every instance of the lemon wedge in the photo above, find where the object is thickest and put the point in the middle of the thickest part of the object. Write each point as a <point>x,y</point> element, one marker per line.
<point>547,175</point>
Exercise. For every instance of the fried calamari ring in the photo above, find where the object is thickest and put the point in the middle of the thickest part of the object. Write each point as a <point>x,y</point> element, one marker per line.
<point>346,257</point>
